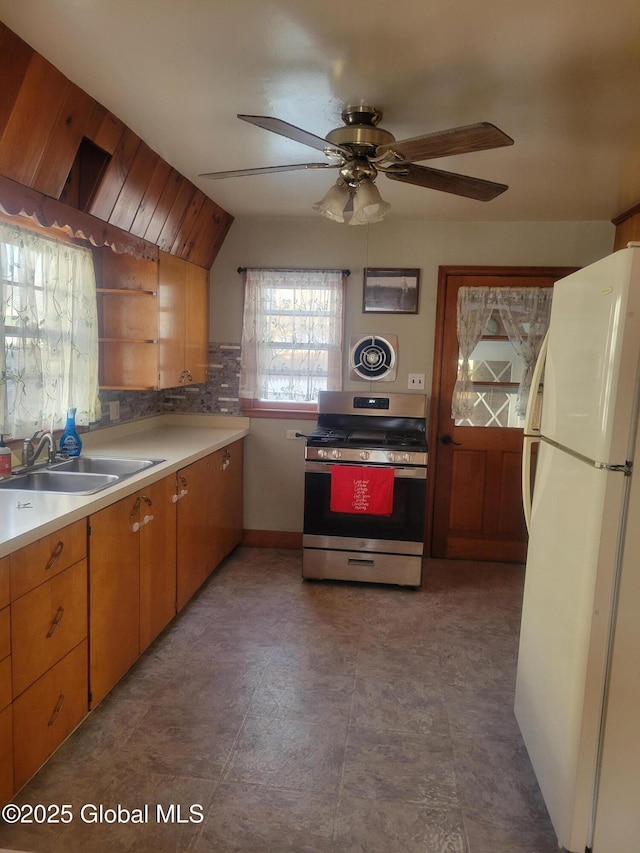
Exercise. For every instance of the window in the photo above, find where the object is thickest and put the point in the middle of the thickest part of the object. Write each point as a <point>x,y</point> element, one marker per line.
<point>48,324</point>
<point>291,338</point>
<point>500,331</point>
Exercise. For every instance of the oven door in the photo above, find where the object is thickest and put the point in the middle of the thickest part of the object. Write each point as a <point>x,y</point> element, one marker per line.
<point>402,532</point>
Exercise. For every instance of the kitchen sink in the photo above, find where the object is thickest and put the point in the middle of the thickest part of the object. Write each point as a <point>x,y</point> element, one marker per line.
<point>81,475</point>
<point>105,465</point>
<point>70,483</point>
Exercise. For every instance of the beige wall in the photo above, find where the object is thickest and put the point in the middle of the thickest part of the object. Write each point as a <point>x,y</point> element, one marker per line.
<point>274,464</point>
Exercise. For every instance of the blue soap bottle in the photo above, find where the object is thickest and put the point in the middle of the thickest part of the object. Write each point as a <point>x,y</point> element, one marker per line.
<point>70,441</point>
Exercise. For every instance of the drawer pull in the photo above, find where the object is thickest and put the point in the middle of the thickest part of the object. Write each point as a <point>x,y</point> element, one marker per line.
<point>56,711</point>
<point>356,561</point>
<point>57,619</point>
<point>55,555</point>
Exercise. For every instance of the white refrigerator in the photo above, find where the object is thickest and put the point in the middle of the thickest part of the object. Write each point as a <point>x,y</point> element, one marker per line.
<point>577,698</point>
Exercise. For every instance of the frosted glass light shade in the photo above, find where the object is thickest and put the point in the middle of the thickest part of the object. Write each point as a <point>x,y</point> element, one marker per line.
<point>368,205</point>
<point>333,203</point>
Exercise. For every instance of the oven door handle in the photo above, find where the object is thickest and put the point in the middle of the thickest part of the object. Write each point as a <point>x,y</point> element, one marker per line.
<point>408,473</point>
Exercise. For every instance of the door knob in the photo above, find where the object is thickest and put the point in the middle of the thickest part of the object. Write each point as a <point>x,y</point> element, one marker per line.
<point>446,439</point>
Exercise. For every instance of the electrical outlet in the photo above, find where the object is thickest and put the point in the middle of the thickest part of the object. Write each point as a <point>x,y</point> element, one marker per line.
<point>416,382</point>
<point>114,411</point>
<point>292,433</point>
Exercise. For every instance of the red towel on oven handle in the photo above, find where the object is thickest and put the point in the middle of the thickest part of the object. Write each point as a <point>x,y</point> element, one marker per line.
<point>362,490</point>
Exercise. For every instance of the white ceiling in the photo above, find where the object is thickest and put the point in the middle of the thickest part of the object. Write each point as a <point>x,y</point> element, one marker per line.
<point>562,77</point>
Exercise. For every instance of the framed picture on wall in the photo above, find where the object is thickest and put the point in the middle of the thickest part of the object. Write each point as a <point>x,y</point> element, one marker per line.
<point>393,291</point>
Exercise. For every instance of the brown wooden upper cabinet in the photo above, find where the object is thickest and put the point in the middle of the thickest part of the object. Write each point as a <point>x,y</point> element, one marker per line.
<point>183,305</point>
<point>153,316</point>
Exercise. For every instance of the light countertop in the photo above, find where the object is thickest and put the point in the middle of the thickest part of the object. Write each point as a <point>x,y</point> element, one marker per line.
<point>177,439</point>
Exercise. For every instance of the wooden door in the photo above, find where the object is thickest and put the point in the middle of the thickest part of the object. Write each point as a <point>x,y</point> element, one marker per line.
<point>114,594</point>
<point>474,486</point>
<point>157,559</point>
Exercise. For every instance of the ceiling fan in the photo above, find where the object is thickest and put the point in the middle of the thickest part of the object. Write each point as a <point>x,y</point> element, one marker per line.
<point>360,150</point>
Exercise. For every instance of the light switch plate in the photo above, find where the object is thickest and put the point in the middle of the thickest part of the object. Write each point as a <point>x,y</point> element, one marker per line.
<point>416,382</point>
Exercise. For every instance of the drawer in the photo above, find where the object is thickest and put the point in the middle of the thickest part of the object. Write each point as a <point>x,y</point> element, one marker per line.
<point>4,581</point>
<point>46,713</point>
<point>47,623</point>
<point>5,632</point>
<point>5,683</point>
<point>36,563</point>
<point>6,756</point>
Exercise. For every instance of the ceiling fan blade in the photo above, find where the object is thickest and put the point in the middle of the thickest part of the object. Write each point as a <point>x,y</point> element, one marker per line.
<point>456,140</point>
<point>265,170</point>
<point>447,182</point>
<point>276,125</point>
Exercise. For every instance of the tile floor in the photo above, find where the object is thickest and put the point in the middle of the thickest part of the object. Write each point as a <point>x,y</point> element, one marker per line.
<point>308,717</point>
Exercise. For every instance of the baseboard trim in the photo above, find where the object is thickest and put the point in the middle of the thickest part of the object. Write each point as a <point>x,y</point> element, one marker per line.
<point>272,539</point>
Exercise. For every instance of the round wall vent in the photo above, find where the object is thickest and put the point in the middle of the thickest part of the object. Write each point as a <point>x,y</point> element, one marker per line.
<point>374,357</point>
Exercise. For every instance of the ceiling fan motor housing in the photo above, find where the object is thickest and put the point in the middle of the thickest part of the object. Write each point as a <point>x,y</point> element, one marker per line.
<point>360,134</point>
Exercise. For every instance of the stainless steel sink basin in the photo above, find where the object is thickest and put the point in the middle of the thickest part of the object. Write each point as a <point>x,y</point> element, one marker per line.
<point>46,480</point>
<point>105,465</point>
<point>81,475</point>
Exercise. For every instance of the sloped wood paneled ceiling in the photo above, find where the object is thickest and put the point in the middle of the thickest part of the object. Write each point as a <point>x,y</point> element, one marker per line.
<point>83,167</point>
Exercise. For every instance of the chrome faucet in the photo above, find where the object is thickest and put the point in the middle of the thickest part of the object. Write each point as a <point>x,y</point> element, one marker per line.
<point>30,454</point>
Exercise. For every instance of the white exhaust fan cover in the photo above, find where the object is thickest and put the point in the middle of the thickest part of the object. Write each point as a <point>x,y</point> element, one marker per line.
<point>373,358</point>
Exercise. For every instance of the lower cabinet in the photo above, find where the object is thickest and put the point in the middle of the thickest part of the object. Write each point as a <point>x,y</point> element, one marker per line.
<point>209,516</point>
<point>46,713</point>
<point>6,755</point>
<point>132,581</point>
<point>46,672</point>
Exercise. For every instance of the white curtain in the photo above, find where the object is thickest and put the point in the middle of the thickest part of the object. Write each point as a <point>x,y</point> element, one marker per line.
<point>291,334</point>
<point>475,306</point>
<point>525,313</point>
<point>49,356</point>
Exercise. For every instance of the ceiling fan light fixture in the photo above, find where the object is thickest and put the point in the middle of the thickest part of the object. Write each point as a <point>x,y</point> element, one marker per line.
<point>368,205</point>
<point>333,203</point>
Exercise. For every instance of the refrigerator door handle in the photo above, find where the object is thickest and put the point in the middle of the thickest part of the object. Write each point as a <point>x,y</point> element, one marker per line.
<point>527,446</point>
<point>534,412</point>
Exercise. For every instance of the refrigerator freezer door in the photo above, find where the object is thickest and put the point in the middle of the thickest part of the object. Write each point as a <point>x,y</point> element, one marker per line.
<point>571,561</point>
<point>591,371</point>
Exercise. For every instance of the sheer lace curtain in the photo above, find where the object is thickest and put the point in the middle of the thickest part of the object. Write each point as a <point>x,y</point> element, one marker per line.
<point>291,334</point>
<point>49,356</point>
<point>525,313</point>
<point>475,306</point>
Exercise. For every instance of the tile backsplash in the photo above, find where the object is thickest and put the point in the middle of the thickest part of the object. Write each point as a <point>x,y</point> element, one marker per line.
<point>218,395</point>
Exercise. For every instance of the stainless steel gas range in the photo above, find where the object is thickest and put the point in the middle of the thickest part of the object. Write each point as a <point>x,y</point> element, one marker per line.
<point>365,489</point>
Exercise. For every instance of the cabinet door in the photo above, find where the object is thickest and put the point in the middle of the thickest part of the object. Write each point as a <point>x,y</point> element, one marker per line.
<point>183,301</point>
<point>172,306</point>
<point>232,516</point>
<point>157,559</point>
<point>196,333</point>
<point>114,594</point>
<point>6,755</point>
<point>47,623</point>
<point>193,528</point>
<point>46,713</point>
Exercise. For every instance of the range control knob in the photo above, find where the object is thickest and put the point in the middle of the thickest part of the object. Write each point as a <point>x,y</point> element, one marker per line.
<point>364,454</point>
<point>392,457</point>
<point>406,457</point>
<point>336,453</point>
<point>322,453</point>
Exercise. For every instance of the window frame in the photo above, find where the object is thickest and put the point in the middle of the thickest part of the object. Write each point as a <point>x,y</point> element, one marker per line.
<point>257,408</point>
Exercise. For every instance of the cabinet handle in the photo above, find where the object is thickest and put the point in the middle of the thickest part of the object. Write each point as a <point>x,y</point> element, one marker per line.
<point>57,619</point>
<point>147,500</point>
<point>188,376</point>
<point>56,711</point>
<point>134,510</point>
<point>55,555</point>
